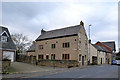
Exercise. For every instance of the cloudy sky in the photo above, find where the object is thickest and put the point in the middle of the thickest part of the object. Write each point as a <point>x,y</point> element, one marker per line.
<point>29,18</point>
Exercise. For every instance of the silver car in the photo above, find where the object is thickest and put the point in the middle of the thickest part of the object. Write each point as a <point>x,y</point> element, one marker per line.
<point>118,62</point>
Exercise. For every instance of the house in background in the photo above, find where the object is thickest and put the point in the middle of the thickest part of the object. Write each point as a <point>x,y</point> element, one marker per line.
<point>99,55</point>
<point>31,50</point>
<point>7,47</point>
<point>68,43</point>
<point>110,45</point>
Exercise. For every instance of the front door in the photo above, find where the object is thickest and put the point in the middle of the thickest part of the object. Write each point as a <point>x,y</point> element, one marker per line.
<point>108,61</point>
<point>82,60</point>
<point>47,56</point>
<point>101,60</point>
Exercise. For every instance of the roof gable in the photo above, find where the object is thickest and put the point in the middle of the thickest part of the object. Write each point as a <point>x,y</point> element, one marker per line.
<point>9,44</point>
<point>4,33</point>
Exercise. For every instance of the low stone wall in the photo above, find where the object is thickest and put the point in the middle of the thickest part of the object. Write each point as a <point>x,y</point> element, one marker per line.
<point>5,66</point>
<point>58,63</point>
<point>53,63</point>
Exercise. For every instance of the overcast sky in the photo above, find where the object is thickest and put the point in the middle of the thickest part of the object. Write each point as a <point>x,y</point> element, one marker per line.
<point>30,17</point>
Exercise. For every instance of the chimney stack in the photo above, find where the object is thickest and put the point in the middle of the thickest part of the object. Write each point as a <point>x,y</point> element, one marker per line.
<point>81,23</point>
<point>43,31</point>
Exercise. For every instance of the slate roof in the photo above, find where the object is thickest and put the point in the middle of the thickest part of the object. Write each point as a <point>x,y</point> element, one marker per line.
<point>9,44</point>
<point>110,44</point>
<point>32,48</point>
<point>100,48</point>
<point>68,31</point>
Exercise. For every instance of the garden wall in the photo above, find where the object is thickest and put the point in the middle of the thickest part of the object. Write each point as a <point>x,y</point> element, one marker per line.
<point>5,66</point>
<point>53,63</point>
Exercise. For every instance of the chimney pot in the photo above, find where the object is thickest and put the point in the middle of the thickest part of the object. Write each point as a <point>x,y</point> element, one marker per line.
<point>81,23</point>
<point>43,31</point>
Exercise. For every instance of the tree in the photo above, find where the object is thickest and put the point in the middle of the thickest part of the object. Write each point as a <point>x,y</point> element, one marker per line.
<point>22,42</point>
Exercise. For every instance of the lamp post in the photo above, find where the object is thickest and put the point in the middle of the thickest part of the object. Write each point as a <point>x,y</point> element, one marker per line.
<point>89,45</point>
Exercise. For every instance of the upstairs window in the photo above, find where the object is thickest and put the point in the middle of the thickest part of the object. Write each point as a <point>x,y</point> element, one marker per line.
<point>53,46</point>
<point>4,38</point>
<point>41,46</point>
<point>66,45</point>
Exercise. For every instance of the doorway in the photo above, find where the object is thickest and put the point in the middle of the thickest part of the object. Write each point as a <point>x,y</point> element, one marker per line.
<point>94,59</point>
<point>108,61</point>
<point>47,56</point>
<point>82,60</point>
<point>101,60</point>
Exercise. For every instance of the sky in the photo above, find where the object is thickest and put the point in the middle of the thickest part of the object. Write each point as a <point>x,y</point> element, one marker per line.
<point>29,18</point>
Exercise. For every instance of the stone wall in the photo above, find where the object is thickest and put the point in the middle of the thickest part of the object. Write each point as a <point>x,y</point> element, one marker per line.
<point>53,63</point>
<point>1,54</point>
<point>59,63</point>
<point>27,59</point>
<point>58,50</point>
<point>5,66</point>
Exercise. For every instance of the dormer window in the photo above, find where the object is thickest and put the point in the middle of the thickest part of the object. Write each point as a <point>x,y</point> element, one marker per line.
<point>4,38</point>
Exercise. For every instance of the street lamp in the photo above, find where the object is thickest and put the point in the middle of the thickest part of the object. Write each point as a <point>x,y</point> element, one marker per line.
<point>89,45</point>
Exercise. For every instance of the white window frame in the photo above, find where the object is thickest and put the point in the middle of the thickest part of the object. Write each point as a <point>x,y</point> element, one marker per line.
<point>4,39</point>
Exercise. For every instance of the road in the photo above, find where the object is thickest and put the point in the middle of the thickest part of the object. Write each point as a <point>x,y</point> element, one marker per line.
<point>103,71</point>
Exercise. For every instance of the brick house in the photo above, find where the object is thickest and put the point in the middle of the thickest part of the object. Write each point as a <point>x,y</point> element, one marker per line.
<point>68,43</point>
<point>7,47</point>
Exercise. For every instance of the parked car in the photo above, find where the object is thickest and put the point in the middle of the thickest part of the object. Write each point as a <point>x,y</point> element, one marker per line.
<point>114,62</point>
<point>118,62</point>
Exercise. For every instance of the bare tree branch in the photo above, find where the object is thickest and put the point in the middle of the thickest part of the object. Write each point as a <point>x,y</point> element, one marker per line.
<point>22,42</point>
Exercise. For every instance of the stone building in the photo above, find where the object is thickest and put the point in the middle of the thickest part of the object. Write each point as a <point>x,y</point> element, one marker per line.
<point>70,43</point>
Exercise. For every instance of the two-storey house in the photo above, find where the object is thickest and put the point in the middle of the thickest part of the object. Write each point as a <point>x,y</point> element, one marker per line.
<point>68,43</point>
